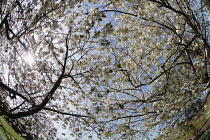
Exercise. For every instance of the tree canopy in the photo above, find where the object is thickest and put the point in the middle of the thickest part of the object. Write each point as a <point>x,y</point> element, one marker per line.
<point>109,69</point>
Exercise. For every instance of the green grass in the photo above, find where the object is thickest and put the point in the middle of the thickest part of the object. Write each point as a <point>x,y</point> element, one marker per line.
<point>7,132</point>
<point>206,135</point>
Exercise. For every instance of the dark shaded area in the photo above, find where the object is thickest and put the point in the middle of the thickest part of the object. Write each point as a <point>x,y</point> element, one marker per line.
<point>206,135</point>
<point>22,129</point>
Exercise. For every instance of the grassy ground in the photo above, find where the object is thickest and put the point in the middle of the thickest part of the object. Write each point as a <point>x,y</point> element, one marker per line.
<point>7,132</point>
<point>206,135</point>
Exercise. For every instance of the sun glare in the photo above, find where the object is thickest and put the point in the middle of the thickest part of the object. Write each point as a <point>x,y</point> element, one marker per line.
<point>29,58</point>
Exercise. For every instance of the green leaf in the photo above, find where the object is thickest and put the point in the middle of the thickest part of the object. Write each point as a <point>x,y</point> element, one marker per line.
<point>108,134</point>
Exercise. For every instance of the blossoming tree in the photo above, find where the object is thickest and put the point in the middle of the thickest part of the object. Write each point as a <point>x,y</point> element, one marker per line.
<point>107,69</point>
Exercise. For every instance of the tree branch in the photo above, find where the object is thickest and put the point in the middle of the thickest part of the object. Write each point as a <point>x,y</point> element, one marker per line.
<point>10,90</point>
<point>64,113</point>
